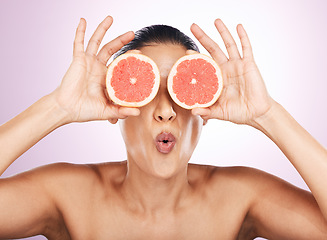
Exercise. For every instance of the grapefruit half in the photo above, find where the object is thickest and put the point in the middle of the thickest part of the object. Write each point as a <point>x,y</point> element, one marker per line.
<point>195,80</point>
<point>132,80</point>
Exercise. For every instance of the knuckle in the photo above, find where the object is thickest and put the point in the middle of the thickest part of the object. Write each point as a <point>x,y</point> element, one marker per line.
<point>230,45</point>
<point>95,41</point>
<point>101,61</point>
<point>223,31</point>
<point>78,42</point>
<point>202,36</point>
<point>104,27</point>
<point>110,51</point>
<point>212,49</point>
<point>91,55</point>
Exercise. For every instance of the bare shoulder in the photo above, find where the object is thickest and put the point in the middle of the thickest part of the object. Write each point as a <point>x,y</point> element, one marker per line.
<point>61,174</point>
<point>271,206</point>
<point>238,177</point>
<point>74,186</point>
<point>68,177</point>
<point>51,197</point>
<point>239,186</point>
<point>253,185</point>
<point>213,176</point>
<point>36,200</point>
<point>66,184</point>
<point>240,190</point>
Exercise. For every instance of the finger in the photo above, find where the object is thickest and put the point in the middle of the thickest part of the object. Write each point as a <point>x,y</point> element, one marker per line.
<point>79,38</point>
<point>127,111</point>
<point>117,112</point>
<point>110,48</point>
<point>245,42</point>
<point>209,112</point>
<point>124,112</point>
<point>230,44</point>
<point>96,39</point>
<point>210,45</point>
<point>203,112</point>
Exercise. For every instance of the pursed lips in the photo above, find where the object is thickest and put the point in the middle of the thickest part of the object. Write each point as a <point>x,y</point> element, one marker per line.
<point>165,142</point>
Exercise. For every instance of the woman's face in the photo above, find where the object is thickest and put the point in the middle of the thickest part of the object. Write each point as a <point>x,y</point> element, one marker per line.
<point>161,140</point>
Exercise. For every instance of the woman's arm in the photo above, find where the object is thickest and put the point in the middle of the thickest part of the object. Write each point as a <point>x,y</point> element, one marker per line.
<point>27,201</point>
<point>302,150</point>
<point>80,97</point>
<point>245,100</point>
<point>22,132</point>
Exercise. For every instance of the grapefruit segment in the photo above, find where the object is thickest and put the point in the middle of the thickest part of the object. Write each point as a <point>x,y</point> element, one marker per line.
<point>132,80</point>
<point>195,80</point>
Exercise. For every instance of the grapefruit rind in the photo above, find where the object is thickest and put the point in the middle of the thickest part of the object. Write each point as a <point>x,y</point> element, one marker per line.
<point>173,72</point>
<point>111,91</point>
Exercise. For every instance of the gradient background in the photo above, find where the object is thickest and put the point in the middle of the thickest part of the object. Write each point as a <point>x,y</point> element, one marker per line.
<point>289,43</point>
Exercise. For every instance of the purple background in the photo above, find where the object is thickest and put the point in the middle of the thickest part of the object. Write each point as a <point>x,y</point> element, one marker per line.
<point>289,43</point>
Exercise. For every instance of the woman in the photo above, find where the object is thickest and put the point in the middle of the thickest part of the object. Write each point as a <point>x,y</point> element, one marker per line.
<point>156,194</point>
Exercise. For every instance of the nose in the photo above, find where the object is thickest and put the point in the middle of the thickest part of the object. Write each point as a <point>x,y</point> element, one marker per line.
<point>164,111</point>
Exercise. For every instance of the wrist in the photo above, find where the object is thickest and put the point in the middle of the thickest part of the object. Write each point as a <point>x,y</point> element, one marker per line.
<point>23,131</point>
<point>277,124</point>
<point>56,114</point>
<point>266,121</point>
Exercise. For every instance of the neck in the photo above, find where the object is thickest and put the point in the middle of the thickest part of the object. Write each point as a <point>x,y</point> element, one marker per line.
<point>152,194</point>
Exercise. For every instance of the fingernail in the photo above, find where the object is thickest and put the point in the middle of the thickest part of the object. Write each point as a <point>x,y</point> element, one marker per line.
<point>194,24</point>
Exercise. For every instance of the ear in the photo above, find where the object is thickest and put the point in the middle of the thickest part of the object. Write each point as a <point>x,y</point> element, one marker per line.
<point>205,121</point>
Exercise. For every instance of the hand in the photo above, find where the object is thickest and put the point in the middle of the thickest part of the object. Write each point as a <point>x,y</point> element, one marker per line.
<point>244,97</point>
<point>82,93</point>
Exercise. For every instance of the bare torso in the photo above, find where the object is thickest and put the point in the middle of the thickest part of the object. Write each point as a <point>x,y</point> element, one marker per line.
<point>91,206</point>
<point>160,196</point>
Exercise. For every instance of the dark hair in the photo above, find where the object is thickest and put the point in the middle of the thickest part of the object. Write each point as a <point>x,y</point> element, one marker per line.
<point>160,34</point>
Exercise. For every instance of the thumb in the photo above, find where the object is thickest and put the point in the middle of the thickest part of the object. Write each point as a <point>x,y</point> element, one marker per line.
<point>203,112</point>
<point>128,111</point>
<point>112,112</point>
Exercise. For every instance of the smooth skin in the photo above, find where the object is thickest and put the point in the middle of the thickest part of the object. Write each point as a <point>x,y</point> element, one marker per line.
<point>154,195</point>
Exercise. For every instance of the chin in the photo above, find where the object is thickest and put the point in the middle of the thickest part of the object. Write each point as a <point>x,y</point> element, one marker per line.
<point>166,169</point>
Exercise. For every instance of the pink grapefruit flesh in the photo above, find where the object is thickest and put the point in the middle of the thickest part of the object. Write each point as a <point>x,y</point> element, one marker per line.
<point>194,81</point>
<point>133,80</point>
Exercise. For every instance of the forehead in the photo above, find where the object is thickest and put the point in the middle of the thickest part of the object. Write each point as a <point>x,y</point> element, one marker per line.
<point>164,55</point>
